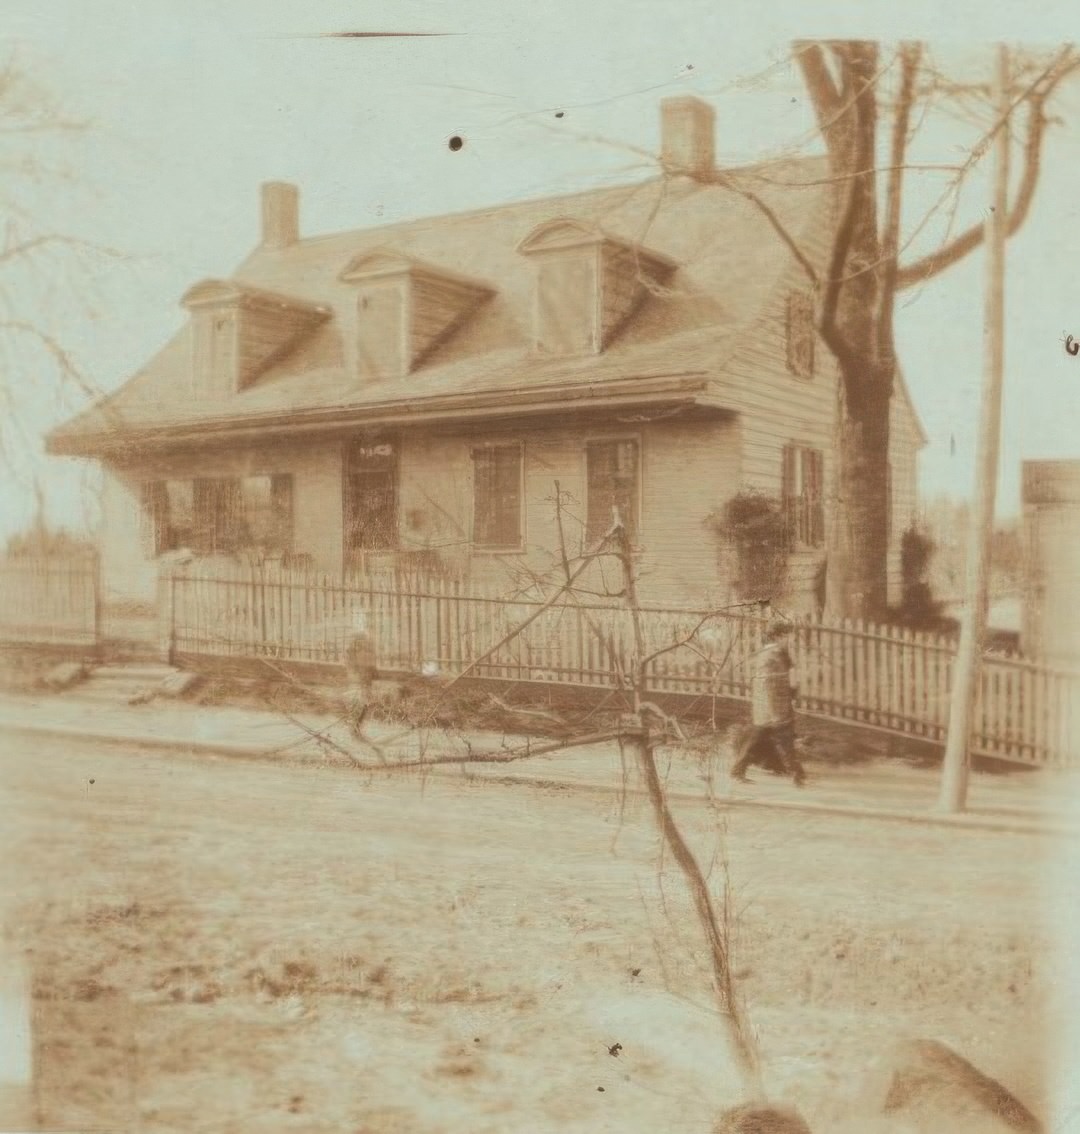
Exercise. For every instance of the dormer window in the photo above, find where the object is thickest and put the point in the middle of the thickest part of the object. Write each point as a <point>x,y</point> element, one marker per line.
<point>239,331</point>
<point>588,284</point>
<point>405,309</point>
<point>800,333</point>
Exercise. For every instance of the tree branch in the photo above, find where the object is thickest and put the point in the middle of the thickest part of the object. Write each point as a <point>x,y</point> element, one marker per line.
<point>819,83</point>
<point>910,58</point>
<point>858,63</point>
<point>1036,97</point>
<point>496,756</point>
<point>830,300</point>
<point>27,247</point>
<point>65,363</point>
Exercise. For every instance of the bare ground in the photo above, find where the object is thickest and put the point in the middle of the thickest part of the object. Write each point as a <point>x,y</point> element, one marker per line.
<point>226,947</point>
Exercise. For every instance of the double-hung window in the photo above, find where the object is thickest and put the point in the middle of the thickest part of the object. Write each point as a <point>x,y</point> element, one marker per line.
<point>613,476</point>
<point>497,498</point>
<point>803,493</point>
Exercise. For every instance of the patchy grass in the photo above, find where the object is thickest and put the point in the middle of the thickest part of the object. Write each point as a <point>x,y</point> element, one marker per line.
<point>273,694</point>
<point>233,946</point>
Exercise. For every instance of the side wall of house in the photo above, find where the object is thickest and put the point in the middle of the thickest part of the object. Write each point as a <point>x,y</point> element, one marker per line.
<point>779,408</point>
<point>128,567</point>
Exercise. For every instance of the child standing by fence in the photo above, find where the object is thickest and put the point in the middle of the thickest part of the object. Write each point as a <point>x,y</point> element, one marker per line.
<point>360,668</point>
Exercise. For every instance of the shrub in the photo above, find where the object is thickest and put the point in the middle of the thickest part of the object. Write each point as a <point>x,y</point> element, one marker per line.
<point>752,534</point>
<point>918,609</point>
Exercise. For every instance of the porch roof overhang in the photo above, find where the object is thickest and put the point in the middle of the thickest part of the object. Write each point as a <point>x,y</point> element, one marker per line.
<point>647,395</point>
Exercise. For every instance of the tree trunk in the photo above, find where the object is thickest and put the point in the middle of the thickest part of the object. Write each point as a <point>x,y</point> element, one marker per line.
<point>856,580</point>
<point>859,286</point>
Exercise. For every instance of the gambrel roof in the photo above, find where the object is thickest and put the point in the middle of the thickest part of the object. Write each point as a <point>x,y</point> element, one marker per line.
<point>705,260</point>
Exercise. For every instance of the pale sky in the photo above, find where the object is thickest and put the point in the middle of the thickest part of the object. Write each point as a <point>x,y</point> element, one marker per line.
<point>196,103</point>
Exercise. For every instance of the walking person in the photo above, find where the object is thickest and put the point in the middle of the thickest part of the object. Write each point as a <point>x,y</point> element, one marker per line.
<point>770,740</point>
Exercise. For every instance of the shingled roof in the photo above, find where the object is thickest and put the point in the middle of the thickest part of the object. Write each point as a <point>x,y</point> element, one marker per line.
<point>723,258</point>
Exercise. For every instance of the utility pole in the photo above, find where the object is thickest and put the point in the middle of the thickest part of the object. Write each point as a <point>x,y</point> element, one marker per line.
<point>966,665</point>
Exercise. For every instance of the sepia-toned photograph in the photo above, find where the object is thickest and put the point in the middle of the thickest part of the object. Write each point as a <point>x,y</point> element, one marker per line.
<point>539,571</point>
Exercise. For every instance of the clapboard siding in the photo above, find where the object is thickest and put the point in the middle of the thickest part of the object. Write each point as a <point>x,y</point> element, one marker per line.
<point>687,470</point>
<point>778,408</point>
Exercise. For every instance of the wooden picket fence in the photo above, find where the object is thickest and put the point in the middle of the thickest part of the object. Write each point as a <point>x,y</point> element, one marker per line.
<point>880,677</point>
<point>50,600</point>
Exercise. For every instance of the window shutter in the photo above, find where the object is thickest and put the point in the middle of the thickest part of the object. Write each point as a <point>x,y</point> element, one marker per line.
<point>483,497</point>
<point>816,492</point>
<point>281,510</point>
<point>508,478</point>
<point>788,497</point>
<point>800,334</point>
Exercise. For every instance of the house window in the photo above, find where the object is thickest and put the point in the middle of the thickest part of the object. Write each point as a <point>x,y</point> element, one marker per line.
<point>267,511</point>
<point>371,491</point>
<point>174,514</point>
<point>803,495</point>
<point>613,474</point>
<point>497,497</point>
<point>800,334</point>
<point>220,516</point>
<point>566,305</point>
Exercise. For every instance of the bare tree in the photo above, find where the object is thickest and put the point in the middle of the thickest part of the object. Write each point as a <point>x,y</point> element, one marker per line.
<point>870,105</point>
<point>859,287</point>
<point>47,274</point>
<point>639,731</point>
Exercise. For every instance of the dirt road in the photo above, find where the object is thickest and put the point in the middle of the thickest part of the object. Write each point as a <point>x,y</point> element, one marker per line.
<point>225,947</point>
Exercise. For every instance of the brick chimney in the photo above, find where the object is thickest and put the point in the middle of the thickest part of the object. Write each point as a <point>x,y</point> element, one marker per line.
<point>687,131</point>
<point>280,214</point>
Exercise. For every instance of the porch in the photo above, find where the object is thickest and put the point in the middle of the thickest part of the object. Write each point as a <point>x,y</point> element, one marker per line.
<point>492,501</point>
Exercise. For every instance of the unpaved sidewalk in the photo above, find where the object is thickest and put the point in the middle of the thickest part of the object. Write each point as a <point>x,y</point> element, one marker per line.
<point>1020,800</point>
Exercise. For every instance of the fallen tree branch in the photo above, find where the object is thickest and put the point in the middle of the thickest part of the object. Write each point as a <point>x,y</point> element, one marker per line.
<point>507,756</point>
